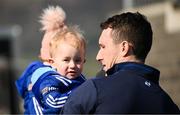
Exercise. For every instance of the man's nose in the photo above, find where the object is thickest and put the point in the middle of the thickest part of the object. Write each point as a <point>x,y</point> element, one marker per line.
<point>98,57</point>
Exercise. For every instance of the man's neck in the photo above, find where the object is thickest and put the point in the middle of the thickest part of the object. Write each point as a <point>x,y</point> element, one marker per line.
<point>130,59</point>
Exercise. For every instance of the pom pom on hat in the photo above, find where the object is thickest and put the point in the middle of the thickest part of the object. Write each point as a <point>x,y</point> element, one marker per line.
<point>52,18</point>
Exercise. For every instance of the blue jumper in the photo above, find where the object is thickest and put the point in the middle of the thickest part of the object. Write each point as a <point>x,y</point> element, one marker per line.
<point>50,90</point>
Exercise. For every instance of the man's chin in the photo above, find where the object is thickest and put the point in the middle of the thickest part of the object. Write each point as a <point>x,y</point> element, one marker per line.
<point>104,68</point>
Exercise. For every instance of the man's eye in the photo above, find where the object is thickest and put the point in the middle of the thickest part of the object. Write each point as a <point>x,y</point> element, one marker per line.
<point>102,47</point>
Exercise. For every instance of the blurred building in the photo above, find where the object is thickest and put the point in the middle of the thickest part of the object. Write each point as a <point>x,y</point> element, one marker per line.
<point>163,14</point>
<point>9,69</point>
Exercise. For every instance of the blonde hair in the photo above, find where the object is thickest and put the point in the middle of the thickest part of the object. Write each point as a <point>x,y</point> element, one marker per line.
<point>71,35</point>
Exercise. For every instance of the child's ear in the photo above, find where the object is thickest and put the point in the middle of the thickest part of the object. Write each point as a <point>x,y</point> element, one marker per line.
<point>51,61</point>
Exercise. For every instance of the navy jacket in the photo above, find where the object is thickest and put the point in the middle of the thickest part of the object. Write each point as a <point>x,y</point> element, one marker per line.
<point>129,88</point>
<point>49,92</point>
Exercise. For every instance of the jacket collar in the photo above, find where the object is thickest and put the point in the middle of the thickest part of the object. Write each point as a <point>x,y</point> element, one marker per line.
<point>145,71</point>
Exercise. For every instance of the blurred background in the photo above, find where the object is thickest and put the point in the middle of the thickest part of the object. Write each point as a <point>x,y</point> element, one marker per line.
<point>20,39</point>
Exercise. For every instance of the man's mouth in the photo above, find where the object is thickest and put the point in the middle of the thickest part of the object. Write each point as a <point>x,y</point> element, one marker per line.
<point>103,66</point>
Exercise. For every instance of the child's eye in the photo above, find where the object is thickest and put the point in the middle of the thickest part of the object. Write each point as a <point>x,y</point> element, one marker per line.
<point>66,60</point>
<point>78,60</point>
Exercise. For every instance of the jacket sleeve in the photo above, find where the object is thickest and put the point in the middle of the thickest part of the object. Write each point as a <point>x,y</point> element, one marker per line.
<point>31,106</point>
<point>53,95</point>
<point>82,100</point>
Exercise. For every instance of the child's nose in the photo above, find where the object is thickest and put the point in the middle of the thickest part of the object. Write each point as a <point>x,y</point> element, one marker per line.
<point>72,64</point>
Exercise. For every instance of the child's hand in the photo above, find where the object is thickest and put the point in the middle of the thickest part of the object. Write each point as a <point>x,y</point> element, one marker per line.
<point>30,87</point>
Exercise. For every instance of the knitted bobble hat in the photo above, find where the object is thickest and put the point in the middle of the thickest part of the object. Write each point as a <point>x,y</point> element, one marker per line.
<point>52,20</point>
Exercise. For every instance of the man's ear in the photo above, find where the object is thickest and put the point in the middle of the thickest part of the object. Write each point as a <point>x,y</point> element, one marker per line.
<point>124,48</point>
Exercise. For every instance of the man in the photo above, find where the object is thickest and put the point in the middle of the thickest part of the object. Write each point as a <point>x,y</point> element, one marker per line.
<point>130,86</point>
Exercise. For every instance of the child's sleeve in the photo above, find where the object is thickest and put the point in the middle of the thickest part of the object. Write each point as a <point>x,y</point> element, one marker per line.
<point>53,94</point>
<point>31,105</point>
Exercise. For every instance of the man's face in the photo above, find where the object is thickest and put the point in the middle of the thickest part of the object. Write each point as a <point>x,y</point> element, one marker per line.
<point>109,52</point>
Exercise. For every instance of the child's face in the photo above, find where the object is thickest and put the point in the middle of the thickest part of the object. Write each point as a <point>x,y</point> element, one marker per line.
<point>68,60</point>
